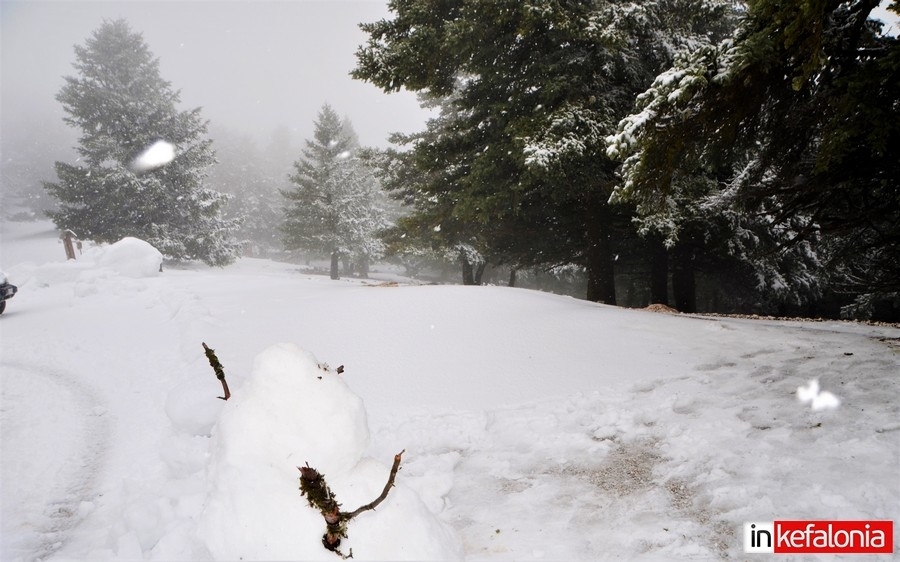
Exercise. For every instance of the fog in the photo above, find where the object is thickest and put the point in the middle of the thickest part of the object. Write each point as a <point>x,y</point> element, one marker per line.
<point>252,66</point>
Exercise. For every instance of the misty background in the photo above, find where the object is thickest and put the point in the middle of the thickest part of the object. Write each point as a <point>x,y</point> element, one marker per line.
<point>260,71</point>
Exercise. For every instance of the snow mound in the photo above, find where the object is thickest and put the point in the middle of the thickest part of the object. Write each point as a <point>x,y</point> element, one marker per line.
<point>292,411</point>
<point>129,257</point>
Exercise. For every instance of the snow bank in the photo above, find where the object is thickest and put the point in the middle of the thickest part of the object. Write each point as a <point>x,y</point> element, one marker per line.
<point>129,257</point>
<point>293,411</point>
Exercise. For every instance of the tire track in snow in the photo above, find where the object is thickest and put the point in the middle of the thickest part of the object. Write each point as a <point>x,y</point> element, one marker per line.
<point>56,434</point>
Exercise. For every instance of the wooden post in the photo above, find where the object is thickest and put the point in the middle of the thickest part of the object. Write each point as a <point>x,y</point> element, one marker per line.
<point>69,239</point>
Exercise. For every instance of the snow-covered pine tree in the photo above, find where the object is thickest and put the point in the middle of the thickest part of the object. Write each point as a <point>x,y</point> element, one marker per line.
<point>426,180</point>
<point>123,107</point>
<point>334,206</point>
<point>793,120</point>
<point>532,89</point>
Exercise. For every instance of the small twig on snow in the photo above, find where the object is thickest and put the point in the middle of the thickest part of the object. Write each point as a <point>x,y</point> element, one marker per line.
<point>219,370</point>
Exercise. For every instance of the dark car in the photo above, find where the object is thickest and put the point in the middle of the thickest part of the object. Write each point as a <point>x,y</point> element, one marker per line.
<point>7,291</point>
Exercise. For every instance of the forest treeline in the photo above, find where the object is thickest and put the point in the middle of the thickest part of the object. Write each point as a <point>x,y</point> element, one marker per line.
<point>711,155</point>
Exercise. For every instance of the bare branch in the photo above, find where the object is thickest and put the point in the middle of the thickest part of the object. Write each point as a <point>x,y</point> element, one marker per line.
<point>320,496</point>
<point>384,493</point>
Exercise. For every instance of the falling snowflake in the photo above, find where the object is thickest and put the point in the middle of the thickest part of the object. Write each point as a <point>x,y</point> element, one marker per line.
<point>817,399</point>
<point>158,154</point>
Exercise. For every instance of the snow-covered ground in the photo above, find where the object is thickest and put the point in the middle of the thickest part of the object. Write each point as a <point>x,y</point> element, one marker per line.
<point>534,426</point>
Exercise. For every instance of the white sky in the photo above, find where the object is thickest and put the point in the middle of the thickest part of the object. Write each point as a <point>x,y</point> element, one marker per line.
<point>251,65</point>
<point>890,19</point>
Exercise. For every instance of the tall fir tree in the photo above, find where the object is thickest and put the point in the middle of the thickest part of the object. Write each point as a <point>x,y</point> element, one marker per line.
<point>427,179</point>
<point>334,207</point>
<point>533,88</point>
<point>793,124</point>
<point>123,108</point>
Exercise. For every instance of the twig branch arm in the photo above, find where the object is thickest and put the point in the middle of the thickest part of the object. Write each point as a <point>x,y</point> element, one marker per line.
<point>219,370</point>
<point>320,496</point>
<point>384,493</point>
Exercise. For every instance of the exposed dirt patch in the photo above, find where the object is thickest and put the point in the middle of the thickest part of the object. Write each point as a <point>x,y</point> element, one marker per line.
<point>893,343</point>
<point>661,308</point>
<point>684,499</point>
<point>793,319</point>
<point>627,470</point>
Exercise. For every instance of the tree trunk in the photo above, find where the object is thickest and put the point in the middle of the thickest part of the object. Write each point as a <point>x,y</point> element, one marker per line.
<point>468,272</point>
<point>335,262</point>
<point>512,276</point>
<point>659,271</point>
<point>684,286</point>
<point>479,272</point>
<point>601,283</point>
<point>363,267</point>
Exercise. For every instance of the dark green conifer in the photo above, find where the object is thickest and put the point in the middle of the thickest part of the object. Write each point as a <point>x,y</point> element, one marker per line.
<point>528,91</point>
<point>124,108</point>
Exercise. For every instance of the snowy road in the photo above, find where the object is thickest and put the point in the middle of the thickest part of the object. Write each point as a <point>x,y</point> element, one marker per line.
<point>55,434</point>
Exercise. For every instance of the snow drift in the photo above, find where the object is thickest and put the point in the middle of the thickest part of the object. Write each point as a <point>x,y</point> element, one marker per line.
<point>129,257</point>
